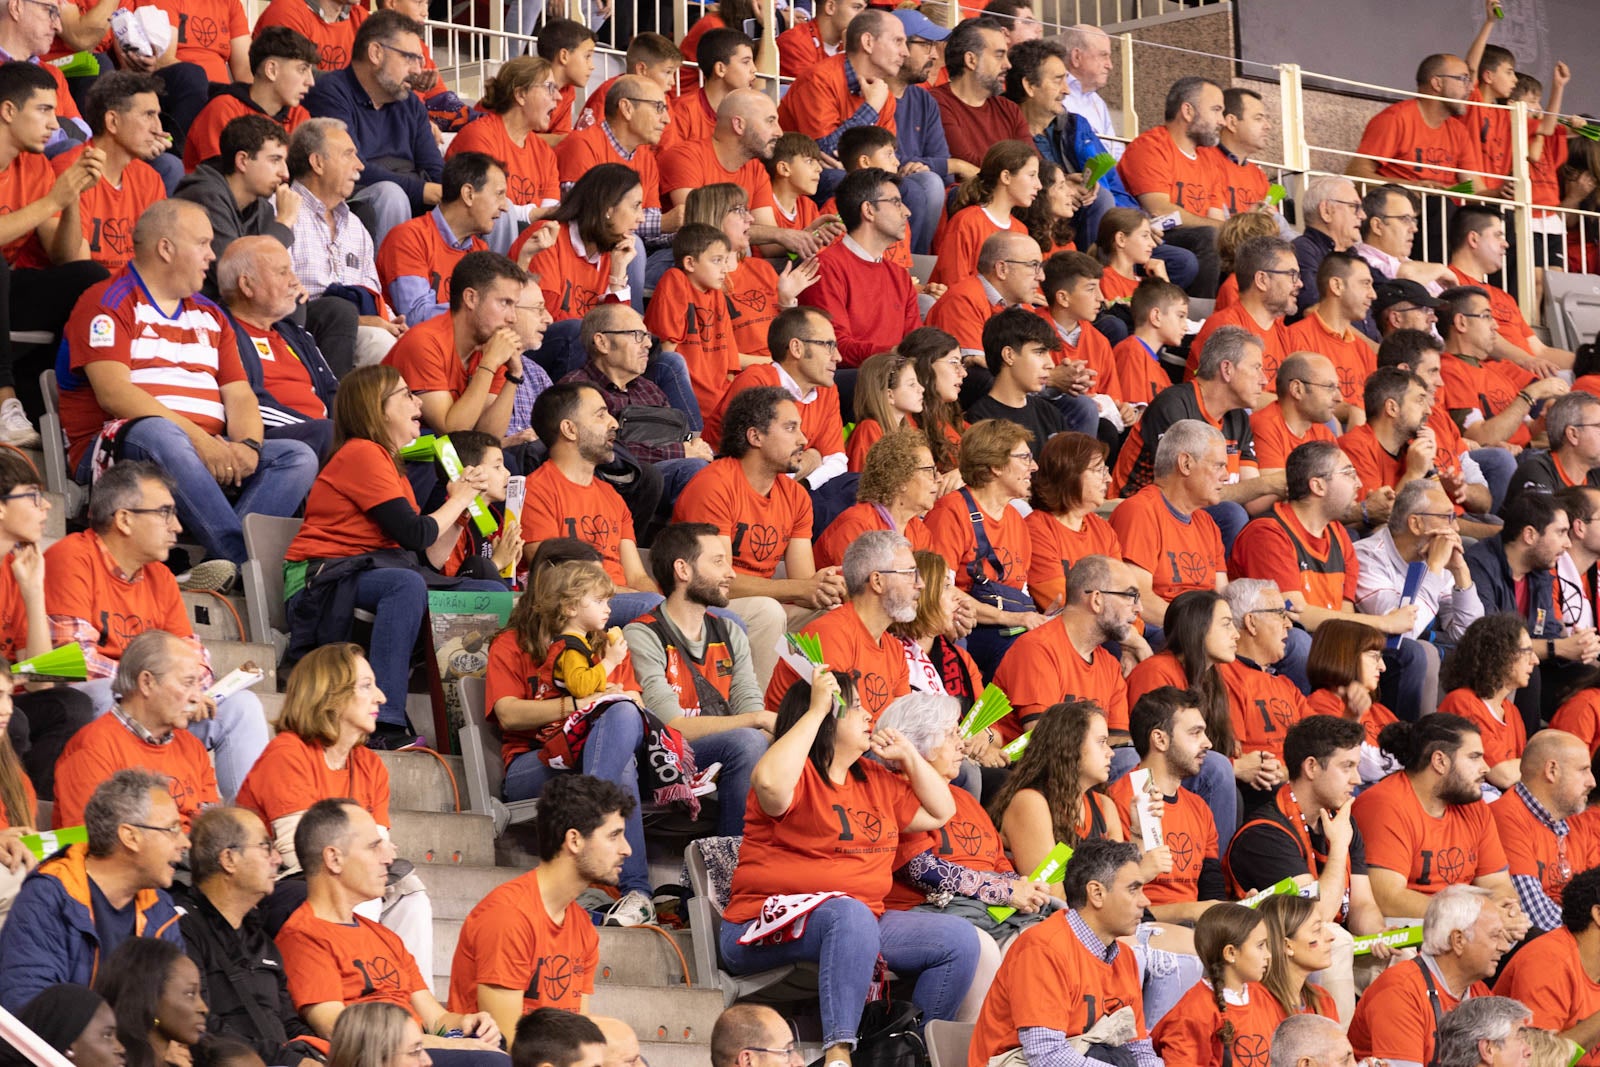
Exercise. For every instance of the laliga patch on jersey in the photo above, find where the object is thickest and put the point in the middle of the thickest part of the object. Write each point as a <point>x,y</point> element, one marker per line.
<point>102,332</point>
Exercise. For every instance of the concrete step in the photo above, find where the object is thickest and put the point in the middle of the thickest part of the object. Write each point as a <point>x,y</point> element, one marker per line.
<point>671,1014</point>
<point>427,837</point>
<point>227,655</point>
<point>457,890</point>
<point>673,1054</point>
<point>419,781</point>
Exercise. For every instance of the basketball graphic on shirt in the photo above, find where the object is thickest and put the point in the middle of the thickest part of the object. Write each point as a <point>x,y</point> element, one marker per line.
<point>1250,1050</point>
<point>763,541</point>
<point>1351,382</point>
<point>595,529</point>
<point>1282,712</point>
<point>111,235</point>
<point>201,30</point>
<point>120,628</point>
<point>874,691</point>
<point>754,299</point>
<point>1451,861</point>
<point>554,975</point>
<point>178,789</point>
<point>1183,851</point>
<point>379,971</point>
<point>1193,567</point>
<point>868,824</point>
<point>333,57</point>
<point>522,189</point>
<point>1010,573</point>
<point>965,833</point>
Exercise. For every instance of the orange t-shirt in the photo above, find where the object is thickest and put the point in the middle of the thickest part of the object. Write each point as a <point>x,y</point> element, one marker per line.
<point>1442,153</point>
<point>1490,128</point>
<point>1116,286</point>
<point>1275,339</point>
<point>13,614</point>
<point>963,310</point>
<point>572,285</point>
<point>1273,438</point>
<point>509,941</point>
<point>806,212</point>
<point>969,839</point>
<point>819,416</point>
<point>291,774</point>
<point>1227,293</point>
<point>416,249</point>
<point>1508,319</point>
<point>842,837</point>
<point>1330,702</point>
<point>80,582</point>
<point>759,527</point>
<point>1158,670</point>
<point>1484,387</point>
<point>426,357</point>
<point>106,746</point>
<point>1056,547</point>
<point>580,152</point>
<point>1277,547</point>
<point>1262,706</point>
<point>1049,978</point>
<point>1395,1020</point>
<point>1501,740</point>
<point>358,478</point>
<point>1042,668</point>
<point>962,236</point>
<point>1190,1032</point>
<point>820,100</point>
<point>1547,975</point>
<point>334,40</point>
<point>1544,172</point>
<point>867,433</point>
<point>752,291</point>
<point>1352,355</point>
<point>206,29</point>
<point>855,520</point>
<point>950,527</point>
<point>693,164</point>
<point>1153,163</point>
<point>29,177</point>
<point>694,323</point>
<point>799,48</point>
<point>690,117</point>
<point>1140,374</point>
<point>1374,464</point>
<point>878,667</point>
<point>557,506</point>
<point>1180,553</point>
<point>561,119</point>
<point>1580,716</point>
<point>1462,844</point>
<point>513,673</point>
<point>1189,831</point>
<point>1244,185</point>
<point>1533,850</point>
<point>108,212</point>
<point>327,962</point>
<point>532,174</point>
<point>1091,348</point>
<point>204,137</point>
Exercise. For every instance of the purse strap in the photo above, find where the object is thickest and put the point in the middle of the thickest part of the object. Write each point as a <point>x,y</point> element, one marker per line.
<point>985,550</point>
<point>1433,1000</point>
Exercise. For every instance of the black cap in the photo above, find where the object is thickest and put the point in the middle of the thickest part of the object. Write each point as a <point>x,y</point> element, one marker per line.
<point>1401,291</point>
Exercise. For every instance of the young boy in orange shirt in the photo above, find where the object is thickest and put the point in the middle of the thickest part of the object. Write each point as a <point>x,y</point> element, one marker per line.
<point>1160,317</point>
<point>1072,292</point>
<point>689,312</point>
<point>474,555</point>
<point>795,169</point>
<point>569,47</point>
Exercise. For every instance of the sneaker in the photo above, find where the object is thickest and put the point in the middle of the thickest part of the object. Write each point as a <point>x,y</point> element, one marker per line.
<point>634,909</point>
<point>388,738</point>
<point>706,781</point>
<point>212,576</point>
<point>15,429</point>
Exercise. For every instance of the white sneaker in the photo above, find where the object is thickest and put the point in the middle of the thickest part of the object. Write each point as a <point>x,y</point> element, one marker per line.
<point>214,575</point>
<point>633,909</point>
<point>15,429</point>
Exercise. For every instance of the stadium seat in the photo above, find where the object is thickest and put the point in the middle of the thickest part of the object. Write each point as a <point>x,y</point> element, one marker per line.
<point>947,1042</point>
<point>53,443</point>
<point>1571,308</point>
<point>790,982</point>
<point>266,539</point>
<point>480,756</point>
<point>922,267</point>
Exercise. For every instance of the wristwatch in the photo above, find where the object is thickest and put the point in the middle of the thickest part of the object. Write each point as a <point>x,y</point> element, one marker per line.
<point>252,444</point>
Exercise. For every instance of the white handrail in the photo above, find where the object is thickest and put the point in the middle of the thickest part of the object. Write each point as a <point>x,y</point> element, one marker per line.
<point>35,1048</point>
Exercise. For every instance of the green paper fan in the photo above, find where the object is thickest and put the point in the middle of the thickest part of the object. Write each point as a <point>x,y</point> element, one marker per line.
<point>65,662</point>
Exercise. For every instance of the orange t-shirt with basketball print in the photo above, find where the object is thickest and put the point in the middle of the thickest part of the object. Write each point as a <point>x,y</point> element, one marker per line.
<point>950,527</point>
<point>836,837</point>
<point>1353,357</point>
<point>1580,716</point>
<point>328,962</point>
<point>515,674</point>
<point>106,746</point>
<point>1244,185</point>
<point>291,774</point>
<point>1442,153</point>
<point>1057,546</point>
<point>557,506</point>
<point>572,285</point>
<point>819,416</point>
<point>509,941</point>
<point>1501,740</point>
<point>1454,849</point>
<point>1534,851</point>
<point>1262,706</point>
<point>752,291</point>
<point>759,527</point>
<point>878,666</point>
<point>1484,387</point>
<point>1153,163</point>
<point>1179,553</point>
<point>855,520</point>
<point>1375,465</point>
<point>82,581</point>
<point>693,322</point>
<point>1274,339</point>
<point>969,840</point>
<point>1050,979</point>
<point>333,39</point>
<point>961,238</point>
<point>1042,668</point>
<point>108,212</point>
<point>1273,438</point>
<point>1190,1033</point>
<point>1140,373</point>
<point>1190,833</point>
<point>532,174</point>
<point>360,476</point>
<point>1547,975</point>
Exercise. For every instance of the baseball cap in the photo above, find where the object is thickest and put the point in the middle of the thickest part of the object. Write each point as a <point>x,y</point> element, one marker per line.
<point>1401,291</point>
<point>919,25</point>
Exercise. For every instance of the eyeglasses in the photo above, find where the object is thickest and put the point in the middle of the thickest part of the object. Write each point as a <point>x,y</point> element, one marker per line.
<point>1022,457</point>
<point>1436,514</point>
<point>167,511</point>
<point>414,59</point>
<point>1288,273</point>
<point>264,846</point>
<point>1353,205</point>
<point>1282,613</point>
<point>54,9</point>
<point>1347,472</point>
<point>659,105</point>
<point>894,201</point>
<point>1031,264</point>
<point>930,470</point>
<point>175,831</point>
<point>550,87</point>
<point>1317,385</point>
<point>35,495</point>
<point>533,307</point>
<point>1131,595</point>
<point>1407,219</point>
<point>791,1050</point>
<point>638,337</point>
<point>1476,314</point>
<point>743,212</point>
<point>900,570</point>
<point>1401,309</point>
<point>1464,79</point>
<point>831,346</point>
<point>1530,652</point>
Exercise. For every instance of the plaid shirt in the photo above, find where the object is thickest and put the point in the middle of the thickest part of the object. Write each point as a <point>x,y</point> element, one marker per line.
<point>649,229</point>
<point>336,253</point>
<point>639,393</point>
<point>1544,912</point>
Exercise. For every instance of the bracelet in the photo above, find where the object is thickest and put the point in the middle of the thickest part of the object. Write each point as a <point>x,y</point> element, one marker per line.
<point>1522,395</point>
<point>514,379</point>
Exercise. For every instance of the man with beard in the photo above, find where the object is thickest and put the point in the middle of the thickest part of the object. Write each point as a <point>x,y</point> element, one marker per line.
<point>1426,826</point>
<point>124,115</point>
<point>918,127</point>
<point>1329,328</point>
<point>529,944</point>
<point>1333,224</point>
<point>1169,734</point>
<point>1395,446</point>
<point>388,122</point>
<point>745,133</point>
<point>1426,129</point>
<point>1543,847</point>
<point>1269,283</point>
<point>694,668</point>
<point>1463,939</point>
<point>974,113</point>
<point>883,583</point>
<point>1175,171</point>
<point>566,498</point>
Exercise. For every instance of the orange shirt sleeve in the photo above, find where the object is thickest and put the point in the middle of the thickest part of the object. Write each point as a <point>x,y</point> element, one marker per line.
<point>866,434</point>
<point>962,312</point>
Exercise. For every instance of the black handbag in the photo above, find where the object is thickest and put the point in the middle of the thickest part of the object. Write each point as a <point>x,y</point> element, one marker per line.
<point>986,589</point>
<point>643,425</point>
<point>890,1036</point>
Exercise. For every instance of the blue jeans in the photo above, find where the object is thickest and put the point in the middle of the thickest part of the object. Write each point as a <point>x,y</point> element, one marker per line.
<point>1498,466</point>
<point>1081,412</point>
<point>844,939</point>
<point>625,607</point>
<point>1230,519</point>
<point>278,487</point>
<point>676,473</point>
<point>1214,784</point>
<point>923,193</point>
<point>737,750</point>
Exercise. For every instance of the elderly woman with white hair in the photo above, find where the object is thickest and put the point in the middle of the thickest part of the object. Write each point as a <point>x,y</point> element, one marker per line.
<point>960,868</point>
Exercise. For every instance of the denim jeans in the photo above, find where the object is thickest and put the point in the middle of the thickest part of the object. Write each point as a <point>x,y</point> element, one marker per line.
<point>844,939</point>
<point>676,473</point>
<point>1498,466</point>
<point>737,750</point>
<point>625,607</point>
<point>923,193</point>
<point>1214,784</point>
<point>278,487</point>
<point>1230,519</point>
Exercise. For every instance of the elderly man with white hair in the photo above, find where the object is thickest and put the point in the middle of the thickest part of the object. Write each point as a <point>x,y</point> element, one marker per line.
<point>1088,71</point>
<point>1311,1041</point>
<point>1485,1032</point>
<point>1463,938</point>
<point>1333,215</point>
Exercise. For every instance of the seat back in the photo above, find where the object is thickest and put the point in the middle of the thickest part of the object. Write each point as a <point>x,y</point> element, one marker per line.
<point>1564,291</point>
<point>704,922</point>
<point>947,1042</point>
<point>57,478</point>
<point>266,540</point>
<point>486,770</point>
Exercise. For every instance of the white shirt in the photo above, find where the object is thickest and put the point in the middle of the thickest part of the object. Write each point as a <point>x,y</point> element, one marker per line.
<point>832,465</point>
<point>1094,109</point>
<point>1383,576</point>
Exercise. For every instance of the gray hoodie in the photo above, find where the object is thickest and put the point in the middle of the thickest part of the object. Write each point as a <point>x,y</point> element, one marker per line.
<point>208,187</point>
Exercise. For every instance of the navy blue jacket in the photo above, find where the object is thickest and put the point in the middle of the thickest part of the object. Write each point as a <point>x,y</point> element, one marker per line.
<point>395,141</point>
<point>1491,576</point>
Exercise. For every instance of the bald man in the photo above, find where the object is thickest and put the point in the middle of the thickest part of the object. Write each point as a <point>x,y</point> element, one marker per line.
<point>1543,849</point>
<point>622,1045</point>
<point>293,383</point>
<point>1308,391</point>
<point>752,1035</point>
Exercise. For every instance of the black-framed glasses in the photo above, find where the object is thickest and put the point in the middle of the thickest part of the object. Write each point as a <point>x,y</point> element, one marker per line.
<point>1292,273</point>
<point>1476,314</point>
<point>168,512</point>
<point>638,337</point>
<point>55,10</point>
<point>1282,613</point>
<point>1435,514</point>
<point>1407,218</point>
<point>265,847</point>
<point>175,831</point>
<point>1034,265</point>
<point>1401,309</point>
<point>1132,595</point>
<point>36,495</point>
<point>928,469</point>
<point>897,570</point>
<point>659,105</point>
<point>1464,79</point>
<point>895,200</point>
<point>415,59</point>
<point>1317,385</point>
<point>1354,205</point>
<point>831,346</point>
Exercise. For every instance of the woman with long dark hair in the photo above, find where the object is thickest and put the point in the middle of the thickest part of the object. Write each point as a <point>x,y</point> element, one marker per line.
<point>1071,484</point>
<point>941,370</point>
<point>1493,659</point>
<point>155,991</point>
<point>1049,220</point>
<point>1007,179</point>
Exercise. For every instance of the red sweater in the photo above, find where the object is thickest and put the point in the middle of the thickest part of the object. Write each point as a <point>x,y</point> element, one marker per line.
<point>864,327</point>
